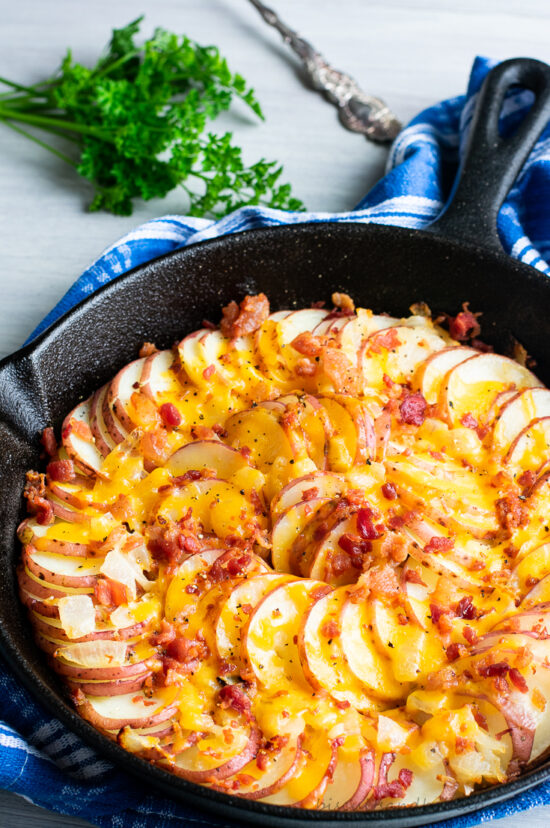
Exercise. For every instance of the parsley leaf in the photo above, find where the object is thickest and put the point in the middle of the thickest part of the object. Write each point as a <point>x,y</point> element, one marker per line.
<point>138,121</point>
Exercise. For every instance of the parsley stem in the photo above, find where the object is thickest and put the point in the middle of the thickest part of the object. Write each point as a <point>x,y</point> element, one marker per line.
<point>41,143</point>
<point>7,113</point>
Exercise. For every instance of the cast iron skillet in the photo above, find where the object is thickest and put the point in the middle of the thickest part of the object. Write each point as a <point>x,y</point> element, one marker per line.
<point>385,268</point>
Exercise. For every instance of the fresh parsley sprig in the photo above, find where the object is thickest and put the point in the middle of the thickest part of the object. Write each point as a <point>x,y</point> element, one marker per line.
<point>138,121</point>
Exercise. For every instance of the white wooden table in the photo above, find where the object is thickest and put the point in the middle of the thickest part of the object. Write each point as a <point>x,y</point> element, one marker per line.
<point>410,52</point>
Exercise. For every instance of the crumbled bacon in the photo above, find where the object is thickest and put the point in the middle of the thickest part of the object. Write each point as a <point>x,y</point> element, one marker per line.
<point>436,611</point>
<point>49,442</point>
<point>170,415</point>
<point>307,344</point>
<point>395,789</point>
<point>466,609</point>
<point>388,340</point>
<point>165,635</point>
<point>454,651</point>
<point>148,349</point>
<point>239,320</point>
<point>231,564</point>
<point>464,325</point>
<point>185,650</point>
<point>171,541</point>
<point>469,421</point>
<point>61,471</point>
<point>209,371</point>
<point>413,409</point>
<point>355,549</point>
<point>413,577</point>
<point>234,697</point>
<point>343,302</point>
<point>310,494</point>
<point>498,668</point>
<point>388,490</point>
<point>330,629</point>
<point>527,479</point>
<point>110,593</point>
<point>365,524</point>
<point>154,446</point>
<point>470,635</point>
<point>80,429</point>
<point>517,680</point>
<point>37,504</point>
<point>511,512</point>
<point>436,545</point>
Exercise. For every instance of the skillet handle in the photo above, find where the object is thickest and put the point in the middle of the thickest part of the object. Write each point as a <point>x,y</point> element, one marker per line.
<point>491,163</point>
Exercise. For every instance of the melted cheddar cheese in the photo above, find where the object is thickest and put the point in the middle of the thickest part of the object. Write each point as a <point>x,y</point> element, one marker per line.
<point>305,560</point>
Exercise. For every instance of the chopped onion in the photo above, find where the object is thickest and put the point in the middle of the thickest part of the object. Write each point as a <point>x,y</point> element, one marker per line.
<point>390,735</point>
<point>98,653</point>
<point>77,615</point>
<point>117,567</point>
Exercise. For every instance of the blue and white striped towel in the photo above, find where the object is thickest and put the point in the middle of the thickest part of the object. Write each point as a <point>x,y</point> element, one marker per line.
<point>43,762</point>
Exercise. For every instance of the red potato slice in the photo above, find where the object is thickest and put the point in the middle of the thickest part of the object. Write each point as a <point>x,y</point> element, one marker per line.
<point>471,386</point>
<point>307,786</point>
<point>233,613</point>
<point>269,645</point>
<point>363,422</point>
<point>200,767</point>
<point>530,450</point>
<point>43,590</point>
<point>430,374</point>
<point>324,555</point>
<point>158,377</point>
<point>201,350</point>
<point>327,484</point>
<point>292,326</point>
<point>255,783</point>
<point>217,504</point>
<point>61,570</point>
<point>351,782</point>
<point>115,687</point>
<point>535,565</point>
<point>51,626</point>
<point>306,425</point>
<point>191,570</point>
<point>342,444</point>
<point>42,538</point>
<point>120,390</point>
<point>289,526</point>
<point>428,779</point>
<point>207,454</point>
<point>539,594</point>
<point>265,343</point>
<point>103,439</point>
<point>133,709</point>
<point>413,651</point>
<point>77,495</point>
<point>354,331</point>
<point>322,656</point>
<point>371,668</point>
<point>330,325</point>
<point>82,450</point>
<point>517,414</point>
<point>399,355</point>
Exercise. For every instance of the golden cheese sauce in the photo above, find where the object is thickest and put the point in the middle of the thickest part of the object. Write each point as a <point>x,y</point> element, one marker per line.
<point>304,558</point>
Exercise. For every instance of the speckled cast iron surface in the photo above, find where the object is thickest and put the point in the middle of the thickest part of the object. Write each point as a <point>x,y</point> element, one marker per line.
<point>383,268</point>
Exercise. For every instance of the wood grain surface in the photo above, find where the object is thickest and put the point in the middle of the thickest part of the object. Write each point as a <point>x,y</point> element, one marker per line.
<point>410,52</point>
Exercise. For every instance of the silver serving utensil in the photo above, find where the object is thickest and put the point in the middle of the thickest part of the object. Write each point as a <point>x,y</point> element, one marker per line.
<point>358,111</point>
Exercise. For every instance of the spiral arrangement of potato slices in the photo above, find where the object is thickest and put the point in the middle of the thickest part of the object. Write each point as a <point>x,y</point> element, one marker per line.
<point>304,559</point>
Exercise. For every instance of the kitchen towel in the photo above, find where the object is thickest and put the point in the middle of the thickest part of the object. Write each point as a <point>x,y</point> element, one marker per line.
<point>39,758</point>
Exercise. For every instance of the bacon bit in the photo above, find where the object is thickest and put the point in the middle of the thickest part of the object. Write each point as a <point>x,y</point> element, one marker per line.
<point>365,525</point>
<point>499,668</point>
<point>231,564</point>
<point>310,494</point>
<point>413,409</point>
<point>395,789</point>
<point>395,522</point>
<point>413,577</point>
<point>61,471</point>
<point>511,512</point>
<point>170,415</point>
<point>395,547</point>
<point>164,636</point>
<point>185,650</point>
<point>144,411</point>
<point>219,430</point>
<point>462,745</point>
<point>245,318</point>
<point>47,438</point>
<point>110,593</point>
<point>81,429</point>
<point>470,635</point>
<point>341,562</point>
<point>388,339</point>
<point>527,479</point>
<point>330,629</point>
<point>37,504</point>
<point>343,302</point>
<point>469,421</point>
<point>402,619</point>
<point>517,680</point>
<point>436,611</point>
<point>464,325</point>
<point>172,541</point>
<point>444,679</point>
<point>465,608</point>
<point>388,490</point>
<point>154,446</point>
<point>480,718</point>
<point>436,545</point>
<point>192,589</point>
<point>305,368</point>
<point>148,349</point>
<point>454,651</point>
<point>122,508</point>
<point>232,696</point>
<point>208,371</point>
<point>355,548</point>
<point>339,371</point>
<point>307,344</point>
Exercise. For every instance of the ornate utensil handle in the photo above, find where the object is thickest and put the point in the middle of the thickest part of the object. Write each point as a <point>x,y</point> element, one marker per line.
<point>358,111</point>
